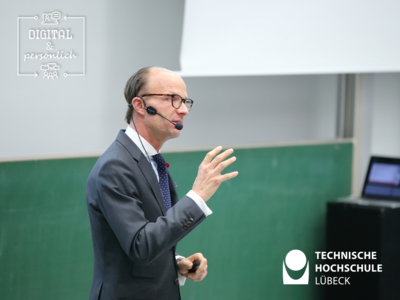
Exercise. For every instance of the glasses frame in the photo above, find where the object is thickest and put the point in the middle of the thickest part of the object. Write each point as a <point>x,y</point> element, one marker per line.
<point>172,97</point>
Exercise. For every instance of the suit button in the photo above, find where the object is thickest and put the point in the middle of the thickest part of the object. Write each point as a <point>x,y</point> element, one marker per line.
<point>185,227</point>
<point>177,281</point>
<point>191,220</point>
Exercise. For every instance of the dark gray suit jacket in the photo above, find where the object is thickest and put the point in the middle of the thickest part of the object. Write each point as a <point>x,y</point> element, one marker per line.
<point>134,238</point>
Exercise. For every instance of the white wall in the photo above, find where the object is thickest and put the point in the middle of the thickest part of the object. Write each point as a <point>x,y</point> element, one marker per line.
<point>259,109</point>
<point>386,115</point>
<point>377,130</point>
<point>82,115</point>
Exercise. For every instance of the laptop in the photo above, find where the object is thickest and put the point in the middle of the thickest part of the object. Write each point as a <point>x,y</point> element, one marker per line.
<point>382,183</point>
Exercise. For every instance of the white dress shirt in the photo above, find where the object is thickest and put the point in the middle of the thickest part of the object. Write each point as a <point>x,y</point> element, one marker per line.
<point>148,151</point>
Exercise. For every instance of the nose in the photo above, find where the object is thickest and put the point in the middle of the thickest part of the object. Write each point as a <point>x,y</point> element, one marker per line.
<point>183,110</point>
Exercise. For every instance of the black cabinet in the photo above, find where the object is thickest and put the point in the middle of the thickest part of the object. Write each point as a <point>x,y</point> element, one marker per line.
<point>365,228</point>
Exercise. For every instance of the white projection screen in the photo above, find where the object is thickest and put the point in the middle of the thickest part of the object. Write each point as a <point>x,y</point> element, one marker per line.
<point>256,37</point>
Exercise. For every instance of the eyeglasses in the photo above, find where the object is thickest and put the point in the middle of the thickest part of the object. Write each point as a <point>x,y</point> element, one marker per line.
<point>176,100</point>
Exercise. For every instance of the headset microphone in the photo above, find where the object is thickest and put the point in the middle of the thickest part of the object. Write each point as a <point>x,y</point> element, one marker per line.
<point>152,111</point>
<point>178,125</point>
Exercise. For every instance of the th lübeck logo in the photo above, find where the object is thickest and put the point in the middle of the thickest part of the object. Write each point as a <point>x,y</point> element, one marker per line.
<point>296,261</point>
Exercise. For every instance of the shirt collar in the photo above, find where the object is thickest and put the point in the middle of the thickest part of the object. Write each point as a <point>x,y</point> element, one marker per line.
<point>134,136</point>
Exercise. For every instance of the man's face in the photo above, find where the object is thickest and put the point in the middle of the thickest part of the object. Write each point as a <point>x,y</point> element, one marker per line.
<point>162,81</point>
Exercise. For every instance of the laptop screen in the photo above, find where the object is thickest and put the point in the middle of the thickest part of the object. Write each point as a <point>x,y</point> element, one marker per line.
<point>383,178</point>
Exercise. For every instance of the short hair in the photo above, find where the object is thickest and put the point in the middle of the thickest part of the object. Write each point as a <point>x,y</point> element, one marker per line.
<point>132,88</point>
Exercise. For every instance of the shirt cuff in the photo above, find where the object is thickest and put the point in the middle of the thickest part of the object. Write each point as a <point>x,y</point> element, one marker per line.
<point>200,202</point>
<point>182,279</point>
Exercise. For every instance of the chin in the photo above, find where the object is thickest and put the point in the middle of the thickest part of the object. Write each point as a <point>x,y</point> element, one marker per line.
<point>175,134</point>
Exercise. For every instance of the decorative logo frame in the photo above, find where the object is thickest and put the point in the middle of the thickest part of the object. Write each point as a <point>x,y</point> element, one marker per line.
<point>50,69</point>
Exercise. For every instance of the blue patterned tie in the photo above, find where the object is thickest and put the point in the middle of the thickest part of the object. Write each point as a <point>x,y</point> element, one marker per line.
<point>163,179</point>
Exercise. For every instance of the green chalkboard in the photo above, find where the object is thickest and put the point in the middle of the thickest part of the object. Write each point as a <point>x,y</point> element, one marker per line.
<point>276,204</point>
<point>45,240</point>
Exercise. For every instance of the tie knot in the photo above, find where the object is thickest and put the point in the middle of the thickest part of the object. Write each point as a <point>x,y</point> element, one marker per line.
<point>159,159</point>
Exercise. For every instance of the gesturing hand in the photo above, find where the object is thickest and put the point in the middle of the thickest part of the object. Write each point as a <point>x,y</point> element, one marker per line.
<point>209,176</point>
<point>186,264</point>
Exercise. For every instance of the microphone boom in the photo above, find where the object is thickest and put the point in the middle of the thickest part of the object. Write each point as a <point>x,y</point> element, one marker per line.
<point>152,111</point>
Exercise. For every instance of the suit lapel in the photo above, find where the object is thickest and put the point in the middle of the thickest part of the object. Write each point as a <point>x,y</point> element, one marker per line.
<point>172,189</point>
<point>144,165</point>
<point>149,174</point>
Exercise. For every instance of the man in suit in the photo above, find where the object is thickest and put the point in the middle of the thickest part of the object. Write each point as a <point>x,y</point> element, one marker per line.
<point>136,218</point>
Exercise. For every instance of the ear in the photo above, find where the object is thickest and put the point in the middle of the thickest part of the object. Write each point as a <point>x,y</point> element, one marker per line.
<point>138,105</point>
